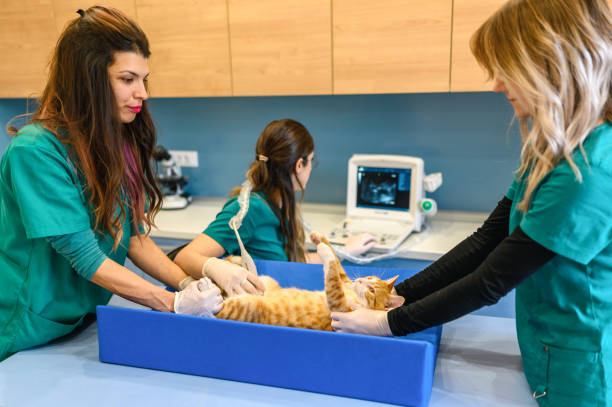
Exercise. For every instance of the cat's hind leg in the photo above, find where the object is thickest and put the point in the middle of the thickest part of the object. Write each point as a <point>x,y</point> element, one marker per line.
<point>269,283</point>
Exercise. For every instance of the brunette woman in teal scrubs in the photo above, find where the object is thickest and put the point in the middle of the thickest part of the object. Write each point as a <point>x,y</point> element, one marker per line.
<point>272,227</point>
<point>73,187</point>
<point>551,234</point>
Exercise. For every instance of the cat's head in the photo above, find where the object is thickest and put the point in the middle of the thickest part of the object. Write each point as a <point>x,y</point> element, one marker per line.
<point>375,293</point>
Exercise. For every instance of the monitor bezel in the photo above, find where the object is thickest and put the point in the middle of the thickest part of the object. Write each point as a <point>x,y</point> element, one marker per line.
<point>416,166</point>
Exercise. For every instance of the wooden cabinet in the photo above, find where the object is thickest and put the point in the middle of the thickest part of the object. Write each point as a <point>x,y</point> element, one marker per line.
<point>189,47</point>
<point>391,46</point>
<point>280,47</point>
<point>269,47</point>
<point>468,15</point>
<point>27,37</point>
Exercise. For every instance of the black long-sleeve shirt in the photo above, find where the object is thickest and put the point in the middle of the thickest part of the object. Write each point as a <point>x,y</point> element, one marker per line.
<point>477,272</point>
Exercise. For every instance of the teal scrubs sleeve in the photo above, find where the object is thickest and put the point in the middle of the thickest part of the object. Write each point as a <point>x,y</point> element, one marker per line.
<point>81,249</point>
<point>220,231</point>
<point>36,170</point>
<point>572,218</point>
<point>260,231</point>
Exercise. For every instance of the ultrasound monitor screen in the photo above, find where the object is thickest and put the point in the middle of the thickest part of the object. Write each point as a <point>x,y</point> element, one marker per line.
<point>383,188</point>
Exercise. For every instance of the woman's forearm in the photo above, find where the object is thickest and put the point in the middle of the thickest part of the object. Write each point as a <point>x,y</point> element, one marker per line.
<point>121,281</point>
<point>194,255</point>
<point>148,257</point>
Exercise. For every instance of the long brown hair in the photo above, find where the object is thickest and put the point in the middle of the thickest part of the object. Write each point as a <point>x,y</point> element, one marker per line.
<point>279,147</point>
<point>558,53</point>
<point>78,105</point>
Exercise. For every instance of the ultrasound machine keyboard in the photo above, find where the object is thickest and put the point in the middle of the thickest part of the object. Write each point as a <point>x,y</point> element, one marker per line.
<point>389,233</point>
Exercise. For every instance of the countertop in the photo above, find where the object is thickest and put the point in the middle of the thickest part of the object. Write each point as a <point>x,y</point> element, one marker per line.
<point>441,234</point>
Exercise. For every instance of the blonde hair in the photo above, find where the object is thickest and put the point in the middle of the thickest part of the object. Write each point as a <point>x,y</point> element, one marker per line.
<point>558,53</point>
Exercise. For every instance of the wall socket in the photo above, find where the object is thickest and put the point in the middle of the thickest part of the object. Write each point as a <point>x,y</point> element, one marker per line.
<point>185,158</point>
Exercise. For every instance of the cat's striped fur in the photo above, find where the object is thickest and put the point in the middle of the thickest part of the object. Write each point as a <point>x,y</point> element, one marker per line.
<point>311,309</point>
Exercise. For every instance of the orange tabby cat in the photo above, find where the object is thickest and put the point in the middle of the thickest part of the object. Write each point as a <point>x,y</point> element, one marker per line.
<point>311,309</point>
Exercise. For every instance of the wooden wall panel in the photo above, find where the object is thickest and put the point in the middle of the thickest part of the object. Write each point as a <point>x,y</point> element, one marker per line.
<point>27,37</point>
<point>281,47</point>
<point>466,74</point>
<point>391,46</point>
<point>190,47</point>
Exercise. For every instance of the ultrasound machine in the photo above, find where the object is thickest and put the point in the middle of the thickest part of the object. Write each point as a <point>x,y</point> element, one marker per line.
<point>385,197</point>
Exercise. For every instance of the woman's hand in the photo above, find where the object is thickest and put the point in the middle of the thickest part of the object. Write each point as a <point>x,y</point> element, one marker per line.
<point>358,244</point>
<point>232,279</point>
<point>199,298</point>
<point>362,321</point>
<point>355,245</point>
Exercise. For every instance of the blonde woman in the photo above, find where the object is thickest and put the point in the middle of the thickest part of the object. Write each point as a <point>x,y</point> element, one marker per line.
<point>551,234</point>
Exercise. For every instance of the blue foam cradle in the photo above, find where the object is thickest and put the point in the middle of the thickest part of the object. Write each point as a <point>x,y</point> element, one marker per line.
<point>390,370</point>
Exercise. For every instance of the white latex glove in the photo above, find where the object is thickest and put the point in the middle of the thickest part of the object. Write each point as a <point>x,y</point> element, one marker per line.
<point>232,279</point>
<point>359,244</point>
<point>362,321</point>
<point>197,299</point>
<point>185,282</point>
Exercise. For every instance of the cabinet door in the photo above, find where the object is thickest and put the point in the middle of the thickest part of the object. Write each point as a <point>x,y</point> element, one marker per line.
<point>27,37</point>
<point>189,47</point>
<point>466,74</point>
<point>391,46</point>
<point>280,47</point>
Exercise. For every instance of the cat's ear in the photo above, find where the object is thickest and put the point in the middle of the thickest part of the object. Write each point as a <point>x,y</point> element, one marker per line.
<point>394,301</point>
<point>391,282</point>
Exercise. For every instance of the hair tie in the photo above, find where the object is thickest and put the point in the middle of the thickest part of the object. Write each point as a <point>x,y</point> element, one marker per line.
<point>81,12</point>
<point>262,157</point>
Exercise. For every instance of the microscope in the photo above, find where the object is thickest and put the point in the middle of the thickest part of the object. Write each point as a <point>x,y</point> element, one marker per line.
<point>171,180</point>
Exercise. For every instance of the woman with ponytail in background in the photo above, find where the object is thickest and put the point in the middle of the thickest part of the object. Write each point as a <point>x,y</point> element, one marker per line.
<point>74,185</point>
<point>272,228</point>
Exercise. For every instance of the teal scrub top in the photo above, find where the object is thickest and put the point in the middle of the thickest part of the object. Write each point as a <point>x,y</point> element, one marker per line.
<point>260,230</point>
<point>564,310</point>
<point>41,296</point>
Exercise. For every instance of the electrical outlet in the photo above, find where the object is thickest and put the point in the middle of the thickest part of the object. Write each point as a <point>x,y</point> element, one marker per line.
<point>185,158</point>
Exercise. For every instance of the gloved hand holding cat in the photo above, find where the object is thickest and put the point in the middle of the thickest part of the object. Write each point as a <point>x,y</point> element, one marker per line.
<point>231,278</point>
<point>362,321</point>
<point>200,298</point>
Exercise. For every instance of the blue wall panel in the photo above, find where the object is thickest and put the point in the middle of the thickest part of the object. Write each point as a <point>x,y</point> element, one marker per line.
<point>466,136</point>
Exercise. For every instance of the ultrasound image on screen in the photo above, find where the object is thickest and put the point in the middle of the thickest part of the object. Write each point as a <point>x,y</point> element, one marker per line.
<point>377,188</point>
<point>383,188</point>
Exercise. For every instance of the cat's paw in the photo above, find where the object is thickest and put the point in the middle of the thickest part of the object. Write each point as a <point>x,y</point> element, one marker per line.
<point>325,253</point>
<point>316,237</point>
